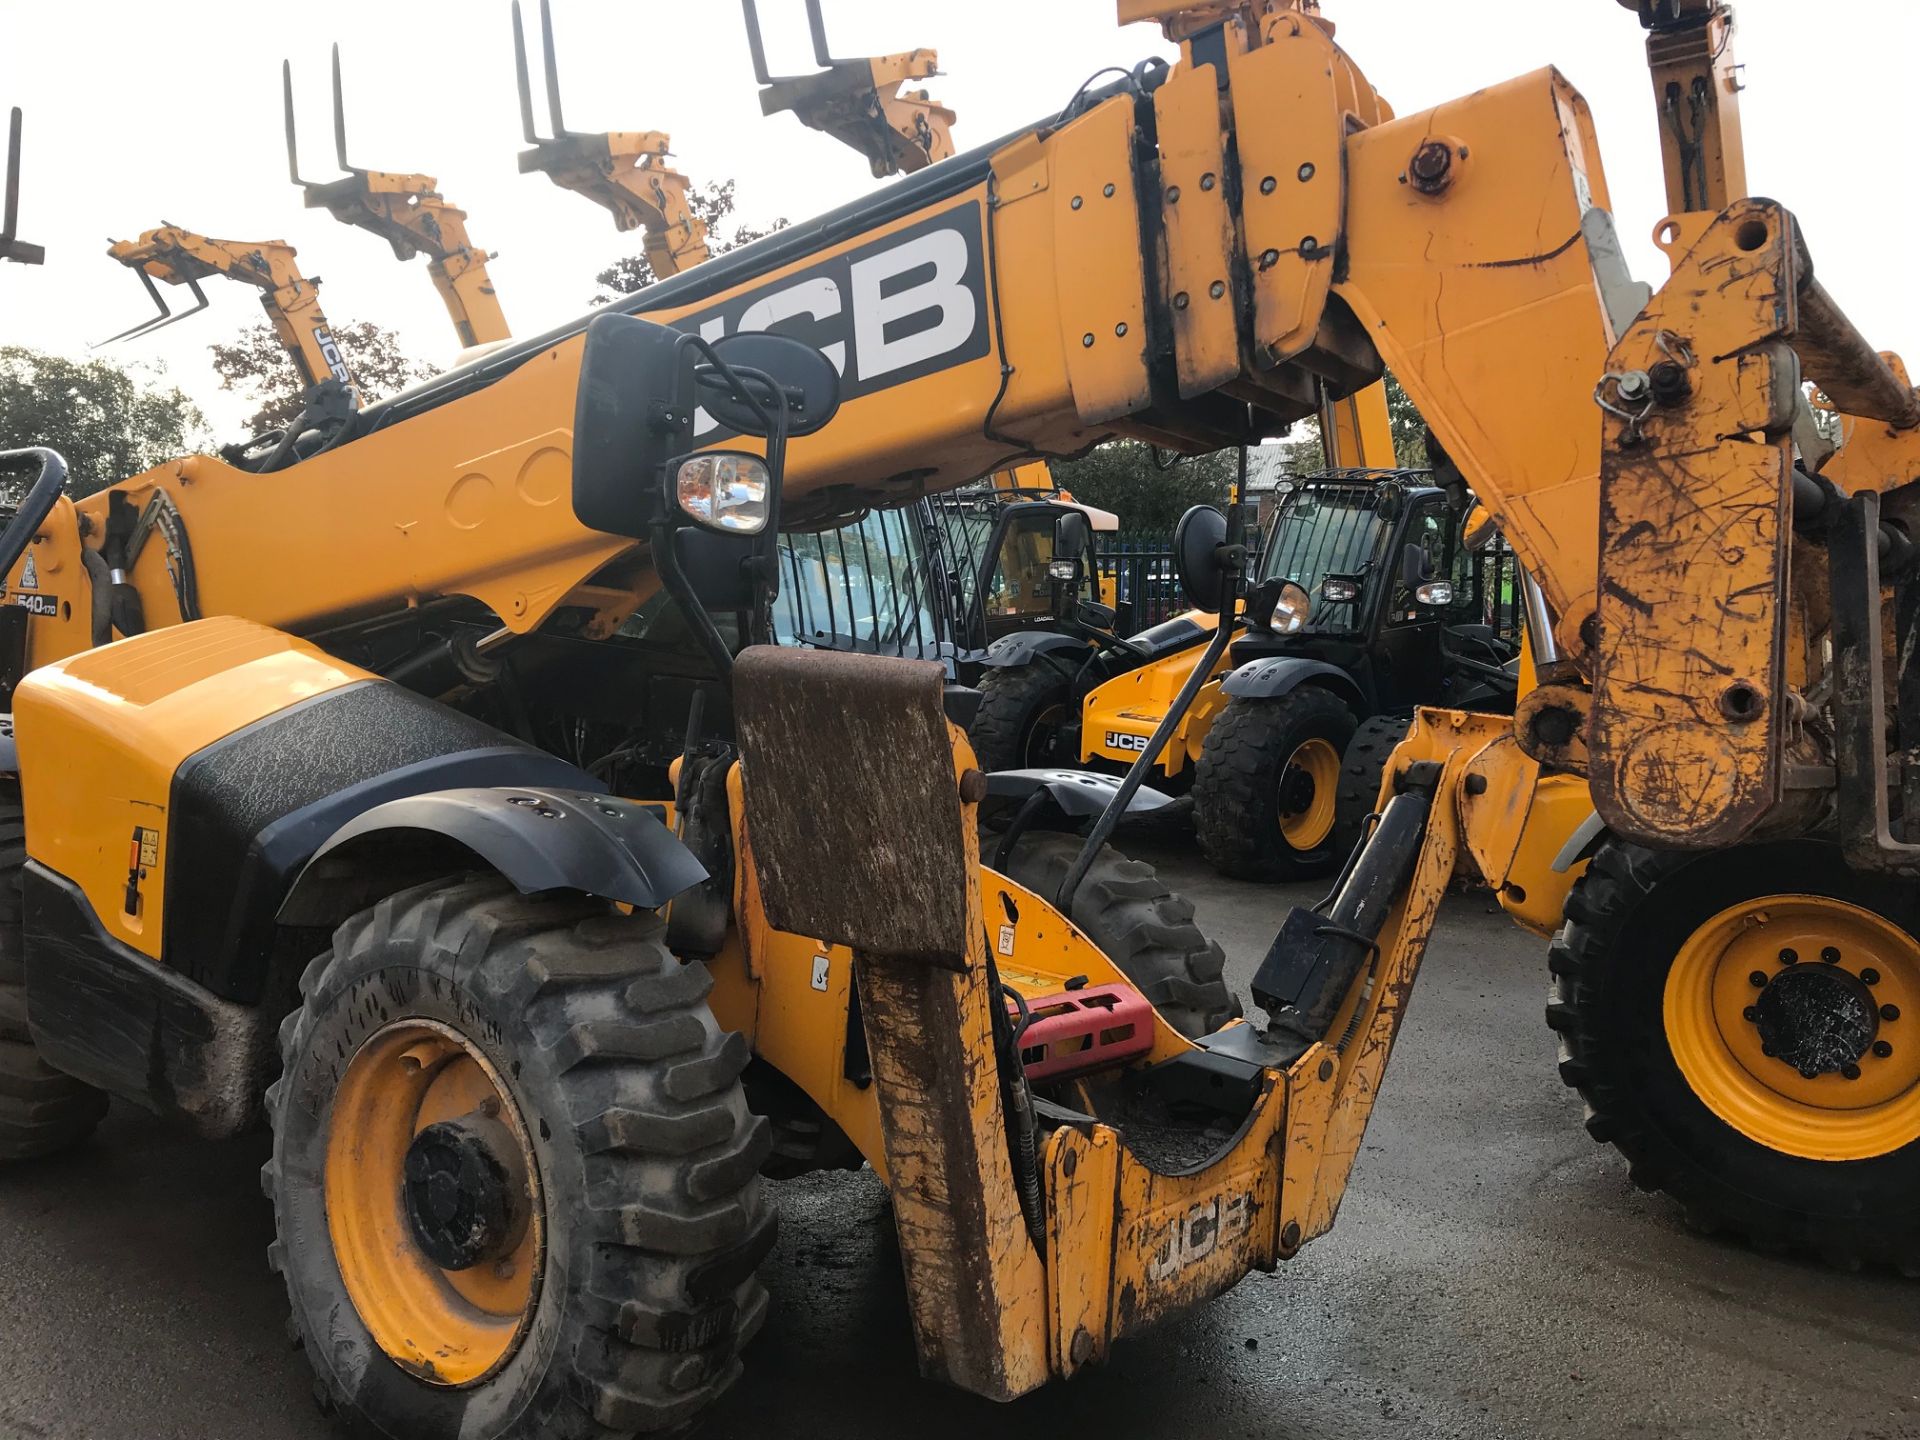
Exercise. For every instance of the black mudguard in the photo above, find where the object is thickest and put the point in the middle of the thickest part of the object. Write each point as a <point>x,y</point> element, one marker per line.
<point>537,838</point>
<point>1283,674</point>
<point>1023,647</point>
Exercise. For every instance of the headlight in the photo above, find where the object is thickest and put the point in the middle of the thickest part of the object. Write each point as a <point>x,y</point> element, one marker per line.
<point>1434,592</point>
<point>1291,611</point>
<point>1339,589</point>
<point>1063,570</point>
<point>724,490</point>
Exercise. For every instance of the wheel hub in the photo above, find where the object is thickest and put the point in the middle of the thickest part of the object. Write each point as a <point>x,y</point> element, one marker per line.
<point>465,1204</point>
<point>1819,1019</point>
<point>1296,791</point>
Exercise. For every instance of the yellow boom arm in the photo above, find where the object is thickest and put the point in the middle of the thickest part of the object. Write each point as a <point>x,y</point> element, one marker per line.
<point>860,102</point>
<point>625,172</point>
<point>411,215</point>
<point>179,257</point>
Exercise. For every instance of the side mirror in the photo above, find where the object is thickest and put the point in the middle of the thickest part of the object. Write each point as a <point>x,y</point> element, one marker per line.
<point>1414,570</point>
<point>808,385</point>
<point>1072,536</point>
<point>1197,541</point>
<point>641,387</point>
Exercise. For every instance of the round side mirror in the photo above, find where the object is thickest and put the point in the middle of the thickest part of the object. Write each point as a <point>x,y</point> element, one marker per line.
<point>1196,541</point>
<point>807,379</point>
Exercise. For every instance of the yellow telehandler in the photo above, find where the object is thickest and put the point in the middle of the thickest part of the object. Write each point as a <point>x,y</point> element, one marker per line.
<point>481,829</point>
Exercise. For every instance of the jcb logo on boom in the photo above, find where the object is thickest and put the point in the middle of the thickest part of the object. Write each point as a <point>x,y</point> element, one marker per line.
<point>1200,1230</point>
<point>903,307</point>
<point>330,352</point>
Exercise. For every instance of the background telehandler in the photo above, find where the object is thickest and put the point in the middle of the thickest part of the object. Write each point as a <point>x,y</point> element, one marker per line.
<point>391,824</point>
<point>1396,615</point>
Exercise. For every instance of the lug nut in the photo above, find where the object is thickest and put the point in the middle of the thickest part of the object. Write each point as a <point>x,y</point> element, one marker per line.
<point>1830,956</point>
<point>1870,976</point>
<point>1306,172</point>
<point>1882,1049</point>
<point>1769,1051</point>
<point>1789,956</point>
<point>1809,1074</point>
<point>1889,1012</point>
<point>1758,980</point>
<point>1852,1072</point>
<point>1752,1016</point>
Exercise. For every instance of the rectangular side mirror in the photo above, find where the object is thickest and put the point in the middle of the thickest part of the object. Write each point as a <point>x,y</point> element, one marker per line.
<point>633,414</point>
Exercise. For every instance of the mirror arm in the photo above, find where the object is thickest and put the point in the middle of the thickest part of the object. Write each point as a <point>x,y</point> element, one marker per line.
<point>667,560</point>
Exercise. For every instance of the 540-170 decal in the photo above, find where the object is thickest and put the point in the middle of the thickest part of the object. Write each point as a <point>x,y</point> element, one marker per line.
<point>903,307</point>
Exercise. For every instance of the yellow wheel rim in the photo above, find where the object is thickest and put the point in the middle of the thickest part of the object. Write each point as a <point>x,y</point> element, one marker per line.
<point>1796,1020</point>
<point>395,1193</point>
<point>1308,783</point>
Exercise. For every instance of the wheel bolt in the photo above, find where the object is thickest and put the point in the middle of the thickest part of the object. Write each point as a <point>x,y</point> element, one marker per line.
<point>1889,1012</point>
<point>1758,979</point>
<point>1830,955</point>
<point>1882,1049</point>
<point>1752,1016</point>
<point>1870,977</point>
<point>1852,1072</point>
<point>1809,1074</point>
<point>1789,956</point>
<point>1769,1051</point>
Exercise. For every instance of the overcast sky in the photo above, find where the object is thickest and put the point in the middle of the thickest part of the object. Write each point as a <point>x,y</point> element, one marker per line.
<point>137,114</point>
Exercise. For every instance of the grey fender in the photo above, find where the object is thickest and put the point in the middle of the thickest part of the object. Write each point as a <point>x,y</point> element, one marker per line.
<point>538,839</point>
<point>1024,646</point>
<point>1080,794</point>
<point>1279,675</point>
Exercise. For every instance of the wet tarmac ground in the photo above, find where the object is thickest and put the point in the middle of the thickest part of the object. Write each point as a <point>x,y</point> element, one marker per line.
<point>1492,1274</point>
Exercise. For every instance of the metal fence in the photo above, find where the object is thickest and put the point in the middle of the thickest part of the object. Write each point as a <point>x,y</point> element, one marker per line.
<point>1137,571</point>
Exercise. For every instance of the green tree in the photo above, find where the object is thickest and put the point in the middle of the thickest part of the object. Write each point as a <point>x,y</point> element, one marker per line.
<point>711,203</point>
<point>106,421</point>
<point>1306,454</point>
<point>1148,494</point>
<point>255,366</point>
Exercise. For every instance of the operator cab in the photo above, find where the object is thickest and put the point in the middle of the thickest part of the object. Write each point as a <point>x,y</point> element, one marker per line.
<point>1394,595</point>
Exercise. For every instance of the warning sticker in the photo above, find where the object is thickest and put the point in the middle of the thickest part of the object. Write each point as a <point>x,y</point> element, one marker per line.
<point>1006,939</point>
<point>29,574</point>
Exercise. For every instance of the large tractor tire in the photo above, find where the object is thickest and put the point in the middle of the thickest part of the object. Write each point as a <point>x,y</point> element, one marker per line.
<point>1362,769</point>
<point>1146,929</point>
<point>515,1179</point>
<point>1025,712</point>
<point>42,1111</point>
<point>1745,1028</point>
<point>1265,790</point>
